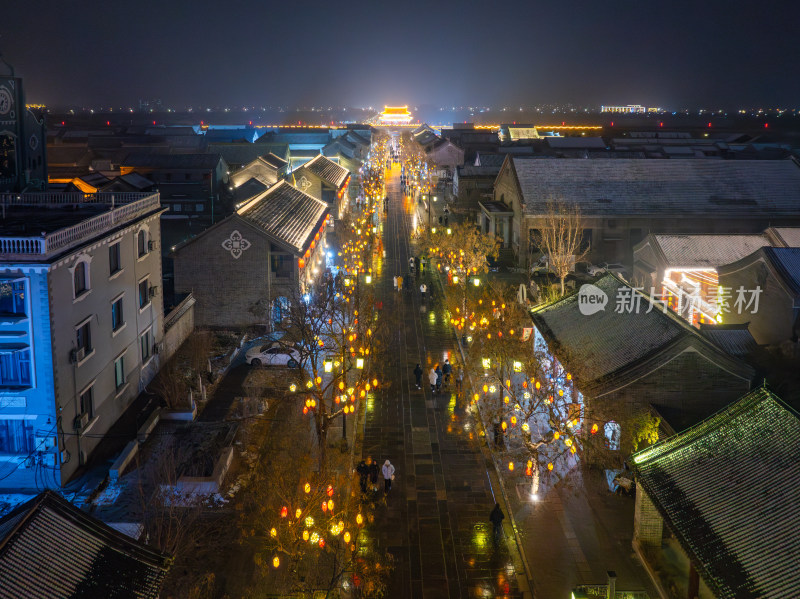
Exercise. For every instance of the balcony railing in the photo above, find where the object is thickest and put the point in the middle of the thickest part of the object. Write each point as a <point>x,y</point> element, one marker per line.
<point>123,208</point>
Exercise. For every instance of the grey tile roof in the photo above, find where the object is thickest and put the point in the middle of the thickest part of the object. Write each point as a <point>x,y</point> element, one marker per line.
<point>596,143</point>
<point>257,169</point>
<point>728,490</point>
<point>50,549</point>
<point>171,161</point>
<point>242,153</point>
<point>603,343</point>
<point>286,214</point>
<point>735,339</point>
<point>787,263</point>
<point>707,251</point>
<point>790,236</point>
<point>490,159</point>
<point>663,187</point>
<point>469,170</point>
<point>274,161</point>
<point>327,170</point>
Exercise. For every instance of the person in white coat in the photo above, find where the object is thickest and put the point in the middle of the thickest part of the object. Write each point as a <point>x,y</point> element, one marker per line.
<point>388,476</point>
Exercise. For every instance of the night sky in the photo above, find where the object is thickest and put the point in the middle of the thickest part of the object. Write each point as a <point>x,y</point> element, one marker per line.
<point>696,54</point>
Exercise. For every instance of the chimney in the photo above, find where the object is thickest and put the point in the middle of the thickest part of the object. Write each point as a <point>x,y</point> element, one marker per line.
<point>611,593</point>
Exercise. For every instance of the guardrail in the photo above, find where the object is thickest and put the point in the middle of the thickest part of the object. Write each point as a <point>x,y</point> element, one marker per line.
<point>131,206</point>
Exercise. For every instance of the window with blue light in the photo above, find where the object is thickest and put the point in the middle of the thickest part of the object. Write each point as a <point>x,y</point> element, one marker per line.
<point>15,368</point>
<point>16,436</point>
<point>12,298</point>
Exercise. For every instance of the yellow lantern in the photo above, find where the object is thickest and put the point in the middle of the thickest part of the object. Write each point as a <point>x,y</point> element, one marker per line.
<point>305,535</point>
<point>276,561</point>
<point>346,537</point>
<point>307,488</point>
<point>292,387</point>
<point>273,532</point>
<point>476,397</point>
<point>550,466</point>
<point>556,435</point>
<point>526,427</point>
<point>359,519</point>
<point>330,504</point>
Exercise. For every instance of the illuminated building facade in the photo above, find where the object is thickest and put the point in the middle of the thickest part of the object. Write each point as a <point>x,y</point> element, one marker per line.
<point>395,115</point>
<point>629,109</point>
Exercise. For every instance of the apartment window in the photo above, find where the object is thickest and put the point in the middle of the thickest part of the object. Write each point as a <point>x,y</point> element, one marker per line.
<point>83,337</point>
<point>116,315</point>
<point>147,345</point>
<point>12,298</point>
<point>199,207</point>
<point>177,207</point>
<point>114,259</point>
<point>80,278</point>
<point>141,242</point>
<point>16,436</point>
<point>15,368</point>
<point>282,265</point>
<point>87,402</point>
<point>119,372</point>
<point>144,294</point>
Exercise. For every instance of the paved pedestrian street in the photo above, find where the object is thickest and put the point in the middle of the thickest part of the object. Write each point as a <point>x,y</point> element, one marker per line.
<point>435,519</point>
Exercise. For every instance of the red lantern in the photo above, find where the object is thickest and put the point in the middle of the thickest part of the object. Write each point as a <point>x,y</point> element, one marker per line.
<point>284,511</point>
<point>301,263</point>
<point>329,491</point>
<point>324,506</point>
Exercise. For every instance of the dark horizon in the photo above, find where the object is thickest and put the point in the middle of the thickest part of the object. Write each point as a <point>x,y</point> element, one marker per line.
<point>679,54</point>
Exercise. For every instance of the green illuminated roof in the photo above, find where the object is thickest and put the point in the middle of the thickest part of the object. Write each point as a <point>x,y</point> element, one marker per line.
<point>728,489</point>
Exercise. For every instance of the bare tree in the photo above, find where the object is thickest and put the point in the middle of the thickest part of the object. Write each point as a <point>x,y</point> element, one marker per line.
<point>561,238</point>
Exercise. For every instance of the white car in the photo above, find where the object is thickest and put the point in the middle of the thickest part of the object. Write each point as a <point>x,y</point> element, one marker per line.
<point>273,354</point>
<point>618,269</point>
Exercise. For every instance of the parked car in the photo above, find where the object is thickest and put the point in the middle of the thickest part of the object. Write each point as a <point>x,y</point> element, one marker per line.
<point>273,354</point>
<point>608,267</point>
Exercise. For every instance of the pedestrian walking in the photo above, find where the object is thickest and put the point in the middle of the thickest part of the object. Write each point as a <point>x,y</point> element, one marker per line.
<point>418,376</point>
<point>438,378</point>
<point>373,473</point>
<point>496,518</point>
<point>388,476</point>
<point>446,370</point>
<point>363,475</point>
<point>411,262</point>
<point>459,380</point>
<point>399,282</point>
<point>432,376</point>
<point>394,280</point>
<point>499,436</point>
<point>423,289</point>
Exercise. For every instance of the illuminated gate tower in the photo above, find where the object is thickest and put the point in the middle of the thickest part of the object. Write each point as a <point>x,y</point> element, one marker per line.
<point>395,115</point>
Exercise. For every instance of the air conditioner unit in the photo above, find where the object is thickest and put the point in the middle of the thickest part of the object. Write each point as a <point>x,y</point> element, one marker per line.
<point>153,290</point>
<point>81,421</point>
<point>151,245</point>
<point>76,355</point>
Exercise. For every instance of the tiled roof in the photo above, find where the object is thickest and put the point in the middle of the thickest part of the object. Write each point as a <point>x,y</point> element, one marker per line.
<point>789,236</point>
<point>707,251</point>
<point>327,170</point>
<point>728,489</point>
<point>171,161</point>
<point>274,161</point>
<point>664,187</point>
<point>604,347</point>
<point>490,159</point>
<point>605,342</point>
<point>50,549</point>
<point>735,339</point>
<point>257,169</point>
<point>242,153</point>
<point>286,214</point>
<point>576,142</point>
<point>469,170</point>
<point>787,263</point>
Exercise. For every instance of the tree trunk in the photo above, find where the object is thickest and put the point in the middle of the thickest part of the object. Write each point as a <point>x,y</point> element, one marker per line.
<point>562,286</point>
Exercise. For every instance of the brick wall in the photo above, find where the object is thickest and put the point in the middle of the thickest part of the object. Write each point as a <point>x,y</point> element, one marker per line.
<point>229,292</point>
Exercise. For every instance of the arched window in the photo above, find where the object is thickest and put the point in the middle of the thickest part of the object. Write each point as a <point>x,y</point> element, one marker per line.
<point>80,278</point>
<point>141,242</point>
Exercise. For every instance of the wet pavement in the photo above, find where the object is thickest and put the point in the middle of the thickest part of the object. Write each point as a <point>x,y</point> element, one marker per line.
<point>435,519</point>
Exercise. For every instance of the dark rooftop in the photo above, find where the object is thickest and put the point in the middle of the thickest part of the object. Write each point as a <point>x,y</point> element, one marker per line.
<point>727,488</point>
<point>50,549</point>
<point>327,170</point>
